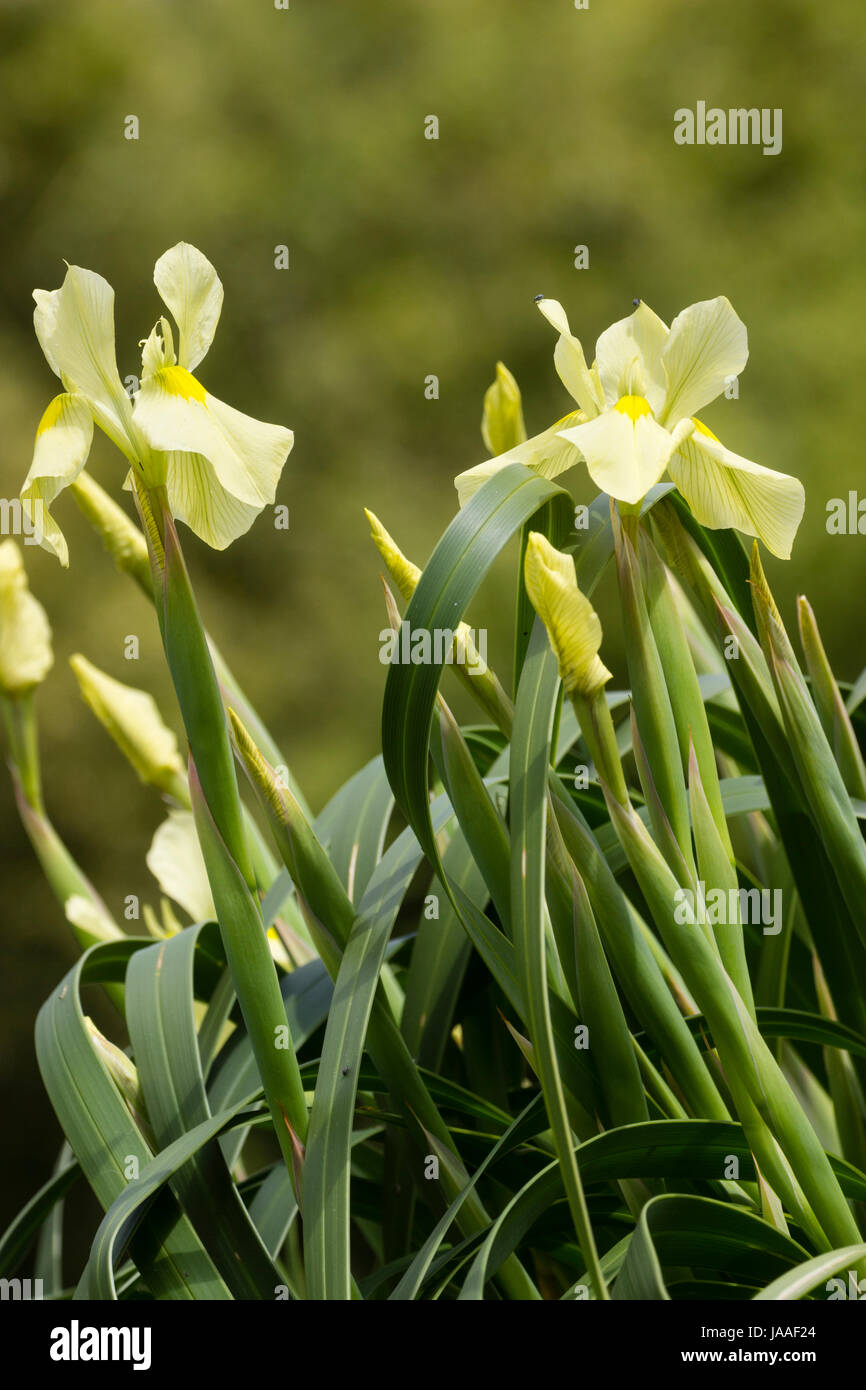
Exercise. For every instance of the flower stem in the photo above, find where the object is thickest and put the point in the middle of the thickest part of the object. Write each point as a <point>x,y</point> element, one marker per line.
<point>219,821</point>
<point>19,719</point>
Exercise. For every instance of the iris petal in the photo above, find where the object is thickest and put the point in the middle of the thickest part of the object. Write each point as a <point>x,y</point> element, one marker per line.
<point>192,290</point>
<point>62,446</point>
<point>629,358</point>
<point>707,347</point>
<point>626,451</point>
<point>220,467</point>
<point>570,362</point>
<point>723,489</point>
<point>547,454</point>
<point>75,328</point>
<point>572,623</point>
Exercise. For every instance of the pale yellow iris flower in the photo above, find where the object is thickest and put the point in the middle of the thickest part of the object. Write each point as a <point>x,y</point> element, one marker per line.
<point>637,419</point>
<point>218,466</point>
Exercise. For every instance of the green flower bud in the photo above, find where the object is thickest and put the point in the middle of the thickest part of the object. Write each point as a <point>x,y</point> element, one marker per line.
<point>502,426</point>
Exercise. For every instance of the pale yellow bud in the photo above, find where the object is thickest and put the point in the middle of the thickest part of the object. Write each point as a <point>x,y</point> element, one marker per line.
<point>404,574</point>
<point>572,623</point>
<point>502,426</point>
<point>25,635</point>
<point>134,722</point>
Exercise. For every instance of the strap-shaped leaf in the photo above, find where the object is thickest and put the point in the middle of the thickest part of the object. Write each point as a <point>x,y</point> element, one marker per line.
<point>162,1028</point>
<point>678,1230</point>
<point>530,762</point>
<point>125,1216</point>
<point>452,576</point>
<point>105,1140</point>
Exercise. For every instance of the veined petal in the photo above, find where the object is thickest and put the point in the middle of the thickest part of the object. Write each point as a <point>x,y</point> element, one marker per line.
<point>192,290</point>
<point>547,454</point>
<point>570,362</point>
<point>625,449</point>
<point>63,439</point>
<point>25,635</point>
<point>196,497</point>
<point>708,344</point>
<point>75,328</point>
<point>176,862</point>
<point>572,623</point>
<point>724,489</point>
<point>245,457</point>
<point>629,358</point>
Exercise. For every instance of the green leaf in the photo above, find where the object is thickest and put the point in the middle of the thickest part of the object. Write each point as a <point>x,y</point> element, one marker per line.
<point>101,1132</point>
<point>355,1011</point>
<point>439,957</point>
<point>161,1021</point>
<point>23,1230</point>
<point>805,1277</point>
<point>700,1232</point>
<point>452,576</point>
<point>354,824</point>
<point>530,762</point>
<point>126,1213</point>
<point>524,1127</point>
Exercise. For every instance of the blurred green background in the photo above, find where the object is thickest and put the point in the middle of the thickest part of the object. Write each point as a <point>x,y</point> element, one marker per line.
<point>408,257</point>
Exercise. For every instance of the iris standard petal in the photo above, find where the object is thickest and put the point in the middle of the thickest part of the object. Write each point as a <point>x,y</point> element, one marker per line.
<point>708,346</point>
<point>629,358</point>
<point>75,328</point>
<point>723,489</point>
<point>570,362</point>
<point>190,287</point>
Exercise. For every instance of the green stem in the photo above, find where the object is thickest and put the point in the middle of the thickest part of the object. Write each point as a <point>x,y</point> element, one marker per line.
<point>219,821</point>
<point>19,719</point>
<point>599,735</point>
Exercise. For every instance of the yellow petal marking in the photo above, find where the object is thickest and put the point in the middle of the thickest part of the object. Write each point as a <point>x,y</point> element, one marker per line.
<point>702,429</point>
<point>52,415</point>
<point>634,407</point>
<point>177,381</point>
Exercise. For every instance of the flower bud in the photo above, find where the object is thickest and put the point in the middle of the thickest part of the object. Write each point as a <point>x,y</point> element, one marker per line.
<point>123,1073</point>
<point>572,623</point>
<point>121,537</point>
<point>25,635</point>
<point>502,424</point>
<point>404,574</point>
<point>134,722</point>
